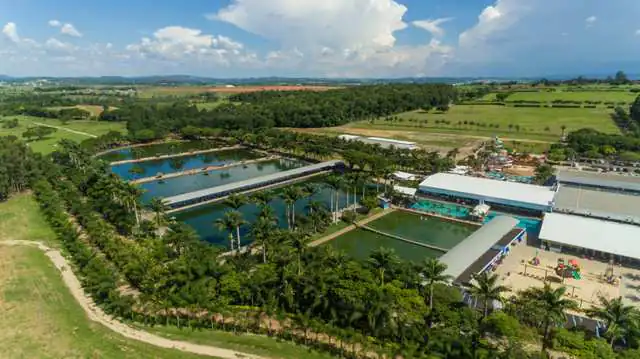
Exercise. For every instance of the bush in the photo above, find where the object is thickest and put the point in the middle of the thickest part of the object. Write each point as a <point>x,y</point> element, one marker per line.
<point>348,217</point>
<point>574,343</point>
<point>501,324</point>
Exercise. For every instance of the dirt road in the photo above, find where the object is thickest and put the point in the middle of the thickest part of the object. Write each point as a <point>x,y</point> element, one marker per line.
<point>66,129</point>
<point>96,314</point>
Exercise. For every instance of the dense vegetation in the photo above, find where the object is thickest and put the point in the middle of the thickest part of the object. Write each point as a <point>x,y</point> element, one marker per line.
<point>18,166</point>
<point>283,109</point>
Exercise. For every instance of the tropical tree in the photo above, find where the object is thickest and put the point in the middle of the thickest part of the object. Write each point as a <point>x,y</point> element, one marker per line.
<point>231,221</point>
<point>432,272</point>
<point>290,195</point>
<point>486,288</point>
<point>553,304</point>
<point>619,319</point>
<point>262,232</point>
<point>159,208</point>
<point>262,198</point>
<point>235,201</point>
<point>335,183</point>
<point>383,259</point>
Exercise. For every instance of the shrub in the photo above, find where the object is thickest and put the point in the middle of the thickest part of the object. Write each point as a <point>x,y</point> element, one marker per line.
<point>501,324</point>
<point>348,217</point>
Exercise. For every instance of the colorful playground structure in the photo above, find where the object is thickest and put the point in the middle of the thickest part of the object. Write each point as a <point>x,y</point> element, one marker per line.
<point>570,270</point>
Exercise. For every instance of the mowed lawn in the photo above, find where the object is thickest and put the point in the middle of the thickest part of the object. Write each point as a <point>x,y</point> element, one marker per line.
<point>604,96</point>
<point>535,123</point>
<point>20,219</point>
<point>48,144</point>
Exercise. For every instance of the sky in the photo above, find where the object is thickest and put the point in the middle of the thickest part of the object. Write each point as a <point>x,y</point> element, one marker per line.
<point>319,38</point>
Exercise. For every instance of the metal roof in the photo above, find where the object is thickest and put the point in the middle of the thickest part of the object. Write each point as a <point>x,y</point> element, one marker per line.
<point>467,252</point>
<point>590,233</point>
<point>488,189</point>
<point>614,181</point>
<point>619,206</point>
<point>390,140</point>
<point>251,182</point>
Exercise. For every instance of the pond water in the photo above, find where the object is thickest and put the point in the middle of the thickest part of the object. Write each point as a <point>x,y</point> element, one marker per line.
<point>178,185</point>
<point>184,163</point>
<point>157,149</point>
<point>445,234</point>
<point>202,219</point>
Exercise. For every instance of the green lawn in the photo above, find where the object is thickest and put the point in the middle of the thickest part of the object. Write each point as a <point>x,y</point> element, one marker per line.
<point>48,144</point>
<point>248,343</point>
<point>544,96</point>
<point>535,123</point>
<point>40,318</point>
<point>20,219</point>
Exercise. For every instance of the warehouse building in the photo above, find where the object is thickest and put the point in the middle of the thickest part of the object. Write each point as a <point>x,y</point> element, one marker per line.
<point>383,142</point>
<point>501,194</point>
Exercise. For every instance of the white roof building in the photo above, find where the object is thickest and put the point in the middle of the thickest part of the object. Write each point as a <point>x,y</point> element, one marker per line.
<point>407,191</point>
<point>348,137</point>
<point>590,233</point>
<point>405,176</point>
<point>513,194</point>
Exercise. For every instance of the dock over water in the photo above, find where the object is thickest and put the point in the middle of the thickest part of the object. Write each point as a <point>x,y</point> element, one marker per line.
<point>209,195</point>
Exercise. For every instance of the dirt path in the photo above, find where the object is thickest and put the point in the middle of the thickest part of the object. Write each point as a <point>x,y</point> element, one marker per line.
<point>96,314</point>
<point>66,129</point>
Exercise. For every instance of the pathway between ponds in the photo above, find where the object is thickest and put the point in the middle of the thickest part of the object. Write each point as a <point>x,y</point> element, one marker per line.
<point>200,170</point>
<point>334,235</point>
<point>182,154</point>
<point>96,313</point>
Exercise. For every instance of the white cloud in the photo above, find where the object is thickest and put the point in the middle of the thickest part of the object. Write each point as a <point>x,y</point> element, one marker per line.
<point>433,26</point>
<point>590,20</point>
<point>55,23</point>
<point>10,30</point>
<point>335,24</point>
<point>69,29</point>
<point>59,46</point>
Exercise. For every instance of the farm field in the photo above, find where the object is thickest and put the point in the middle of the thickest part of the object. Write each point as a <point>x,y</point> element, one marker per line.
<point>151,91</point>
<point>84,130</point>
<point>541,124</point>
<point>604,96</point>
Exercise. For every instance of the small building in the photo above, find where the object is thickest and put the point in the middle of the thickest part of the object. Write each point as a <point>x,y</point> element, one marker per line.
<point>404,176</point>
<point>584,236</point>
<point>482,249</point>
<point>460,170</point>
<point>348,137</point>
<point>405,191</point>
<point>509,195</point>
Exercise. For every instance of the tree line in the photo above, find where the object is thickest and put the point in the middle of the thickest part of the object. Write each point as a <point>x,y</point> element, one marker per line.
<point>282,109</point>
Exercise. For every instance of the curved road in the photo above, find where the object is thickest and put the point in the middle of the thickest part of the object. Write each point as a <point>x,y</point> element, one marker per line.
<point>96,314</point>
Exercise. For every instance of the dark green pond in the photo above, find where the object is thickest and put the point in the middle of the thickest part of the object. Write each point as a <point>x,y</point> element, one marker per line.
<point>156,150</point>
<point>360,243</point>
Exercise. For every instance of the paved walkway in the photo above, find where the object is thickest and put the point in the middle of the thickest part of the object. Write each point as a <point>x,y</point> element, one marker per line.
<point>66,129</point>
<point>182,154</point>
<point>334,235</point>
<point>96,313</point>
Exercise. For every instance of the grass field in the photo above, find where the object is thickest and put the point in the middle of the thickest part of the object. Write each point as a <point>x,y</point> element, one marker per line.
<point>48,144</point>
<point>534,123</point>
<point>20,219</point>
<point>40,318</point>
<point>615,96</point>
<point>95,110</point>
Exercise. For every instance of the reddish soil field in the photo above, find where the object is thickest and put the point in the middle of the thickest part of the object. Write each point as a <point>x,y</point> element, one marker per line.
<point>243,89</point>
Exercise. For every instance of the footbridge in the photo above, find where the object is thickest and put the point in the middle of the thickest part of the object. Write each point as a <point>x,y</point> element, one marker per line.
<point>430,246</point>
<point>209,195</point>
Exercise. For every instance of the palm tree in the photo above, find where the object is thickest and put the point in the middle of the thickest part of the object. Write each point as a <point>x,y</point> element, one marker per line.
<point>486,288</point>
<point>291,195</point>
<point>231,220</point>
<point>619,319</point>
<point>235,201</point>
<point>158,207</point>
<point>262,232</point>
<point>563,128</point>
<point>335,183</point>
<point>553,305</point>
<point>432,272</point>
<point>383,259</point>
<point>262,198</point>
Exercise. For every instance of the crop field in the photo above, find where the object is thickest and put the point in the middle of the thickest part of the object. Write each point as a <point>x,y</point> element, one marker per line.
<point>604,96</point>
<point>84,130</point>
<point>178,91</point>
<point>519,123</point>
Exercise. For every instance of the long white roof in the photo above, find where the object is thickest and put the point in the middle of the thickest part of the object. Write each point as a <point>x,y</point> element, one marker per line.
<point>489,188</point>
<point>600,235</point>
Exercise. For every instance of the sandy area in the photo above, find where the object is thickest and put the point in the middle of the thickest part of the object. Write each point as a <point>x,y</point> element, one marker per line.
<point>585,291</point>
<point>520,170</point>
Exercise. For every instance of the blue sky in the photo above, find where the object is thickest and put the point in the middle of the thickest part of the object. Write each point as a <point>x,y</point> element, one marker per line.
<point>353,38</point>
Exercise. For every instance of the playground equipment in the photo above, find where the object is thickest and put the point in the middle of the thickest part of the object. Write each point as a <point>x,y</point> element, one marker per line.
<point>570,270</point>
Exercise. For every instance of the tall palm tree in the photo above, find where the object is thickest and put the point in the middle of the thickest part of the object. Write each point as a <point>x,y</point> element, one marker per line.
<point>552,303</point>
<point>291,195</point>
<point>159,208</point>
<point>619,319</point>
<point>232,220</point>
<point>432,272</point>
<point>335,183</point>
<point>486,288</point>
<point>262,198</point>
<point>382,259</point>
<point>262,232</point>
<point>235,201</point>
